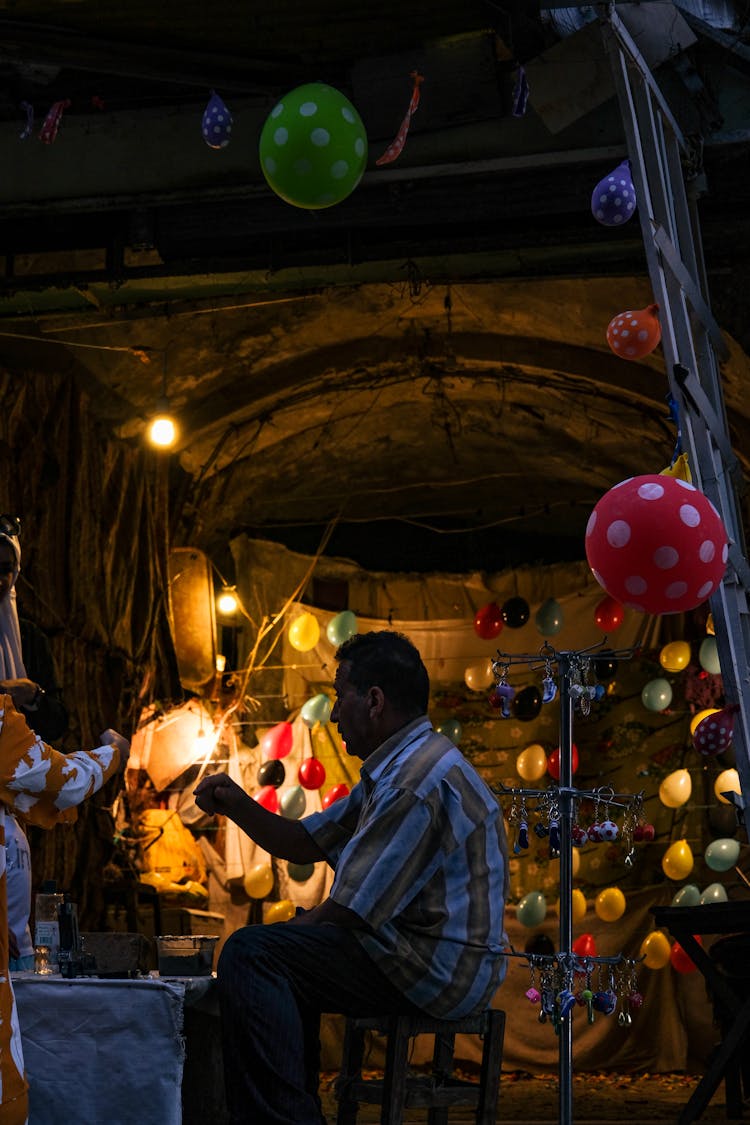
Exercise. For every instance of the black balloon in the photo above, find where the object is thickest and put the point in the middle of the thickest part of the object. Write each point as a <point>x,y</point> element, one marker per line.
<point>723,821</point>
<point>539,943</point>
<point>527,703</point>
<point>272,773</point>
<point>605,668</point>
<point>515,612</point>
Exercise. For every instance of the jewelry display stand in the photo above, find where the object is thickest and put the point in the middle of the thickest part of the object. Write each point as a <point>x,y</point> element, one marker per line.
<point>575,689</point>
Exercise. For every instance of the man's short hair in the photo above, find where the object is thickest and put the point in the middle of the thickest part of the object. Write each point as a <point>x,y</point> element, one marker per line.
<point>388,660</point>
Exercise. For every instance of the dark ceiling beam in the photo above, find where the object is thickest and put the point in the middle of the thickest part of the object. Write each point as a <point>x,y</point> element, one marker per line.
<point>55,46</point>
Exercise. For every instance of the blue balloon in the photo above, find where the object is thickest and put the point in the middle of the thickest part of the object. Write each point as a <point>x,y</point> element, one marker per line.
<point>549,618</point>
<point>613,199</point>
<point>722,855</point>
<point>341,627</point>
<point>657,695</point>
<point>689,895</point>
<point>316,710</point>
<point>532,909</point>
<point>708,656</point>
<point>293,803</point>
<point>714,892</point>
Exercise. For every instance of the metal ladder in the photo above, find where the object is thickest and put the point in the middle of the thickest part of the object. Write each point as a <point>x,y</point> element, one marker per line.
<point>659,154</point>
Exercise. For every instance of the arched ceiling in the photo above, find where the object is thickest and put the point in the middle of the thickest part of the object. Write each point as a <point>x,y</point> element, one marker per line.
<point>424,365</point>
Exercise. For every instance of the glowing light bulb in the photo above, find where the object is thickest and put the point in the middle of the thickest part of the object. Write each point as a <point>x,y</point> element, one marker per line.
<point>162,431</point>
<point>227,602</point>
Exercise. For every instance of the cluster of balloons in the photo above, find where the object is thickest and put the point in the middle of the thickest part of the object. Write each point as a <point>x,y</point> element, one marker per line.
<point>304,630</point>
<point>656,544</point>
<point>514,613</point>
<point>657,953</point>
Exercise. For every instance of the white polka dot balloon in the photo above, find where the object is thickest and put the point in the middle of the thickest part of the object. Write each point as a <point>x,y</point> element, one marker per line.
<point>313,147</point>
<point>656,544</point>
<point>634,333</point>
<point>613,198</point>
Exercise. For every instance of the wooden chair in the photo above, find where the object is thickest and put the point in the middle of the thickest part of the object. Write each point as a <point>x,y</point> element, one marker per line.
<point>437,1091</point>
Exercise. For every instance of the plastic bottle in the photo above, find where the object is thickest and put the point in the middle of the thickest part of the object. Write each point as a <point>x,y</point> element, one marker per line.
<point>46,923</point>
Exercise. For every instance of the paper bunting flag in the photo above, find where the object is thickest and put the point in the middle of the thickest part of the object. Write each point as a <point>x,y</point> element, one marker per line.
<point>51,123</point>
<point>29,126</point>
<point>217,123</point>
<point>394,149</point>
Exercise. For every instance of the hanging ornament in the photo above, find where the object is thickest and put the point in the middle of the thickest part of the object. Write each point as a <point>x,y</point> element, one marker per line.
<point>258,882</point>
<point>341,627</point>
<point>549,618</point>
<point>632,335</point>
<point>531,763</point>
<point>698,718</point>
<point>532,909</point>
<point>395,147</point>
<point>605,667</point>
<point>515,612</point>
<point>656,544</point>
<point>677,861</point>
<point>300,872</point>
<point>304,632</point>
<point>335,793</point>
<point>313,147</point>
<point>51,123</point>
<point>488,622</point>
<point>675,656</point>
<point>280,911</point>
<point>478,677</point>
<point>553,762</point>
<point>714,733</point>
<point>680,961</point>
<point>714,892</point>
<point>708,656</point>
<point>293,803</point>
<point>613,199</point>
<point>609,615</point>
<point>584,946</point>
<point>452,729</point>
<point>268,798</point>
<point>271,773</point>
<point>609,904</point>
<point>689,895</point>
<point>216,125</point>
<point>311,774</point>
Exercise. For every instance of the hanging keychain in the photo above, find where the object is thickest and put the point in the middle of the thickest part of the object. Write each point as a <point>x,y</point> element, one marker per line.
<point>503,694</point>
<point>549,684</point>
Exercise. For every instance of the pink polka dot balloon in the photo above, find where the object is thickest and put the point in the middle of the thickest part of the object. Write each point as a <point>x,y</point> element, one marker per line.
<point>633,334</point>
<point>656,544</point>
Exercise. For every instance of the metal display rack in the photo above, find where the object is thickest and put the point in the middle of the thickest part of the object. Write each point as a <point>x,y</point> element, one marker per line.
<point>573,683</point>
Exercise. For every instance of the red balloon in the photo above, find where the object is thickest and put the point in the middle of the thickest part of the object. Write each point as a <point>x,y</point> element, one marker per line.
<point>277,742</point>
<point>656,544</point>
<point>335,793</point>
<point>268,798</point>
<point>553,762</point>
<point>680,960</point>
<point>631,335</point>
<point>311,774</point>
<point>488,622</point>
<point>584,946</point>
<point>609,615</point>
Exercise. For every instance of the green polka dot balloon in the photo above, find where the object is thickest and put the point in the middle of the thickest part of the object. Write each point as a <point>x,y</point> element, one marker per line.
<point>313,147</point>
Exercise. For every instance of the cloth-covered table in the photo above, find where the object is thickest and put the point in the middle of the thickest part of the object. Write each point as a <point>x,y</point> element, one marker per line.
<point>105,1050</point>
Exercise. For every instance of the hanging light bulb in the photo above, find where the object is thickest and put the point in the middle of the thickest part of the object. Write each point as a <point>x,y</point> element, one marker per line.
<point>162,428</point>
<point>227,603</point>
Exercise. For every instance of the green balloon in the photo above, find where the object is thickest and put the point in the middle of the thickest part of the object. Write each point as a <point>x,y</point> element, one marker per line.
<point>657,695</point>
<point>313,147</point>
<point>341,627</point>
<point>532,909</point>
<point>689,895</point>
<point>300,872</point>
<point>293,803</point>
<point>722,855</point>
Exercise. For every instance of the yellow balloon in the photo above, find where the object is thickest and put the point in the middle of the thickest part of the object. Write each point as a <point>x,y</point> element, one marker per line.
<point>728,781</point>
<point>576,861</point>
<point>697,719</point>
<point>675,789</point>
<point>577,905</point>
<point>710,625</point>
<point>675,656</point>
<point>610,904</point>
<point>677,861</point>
<point>304,632</point>
<point>258,881</point>
<point>655,950</point>
<point>279,911</point>
<point>531,763</point>
<point>478,677</point>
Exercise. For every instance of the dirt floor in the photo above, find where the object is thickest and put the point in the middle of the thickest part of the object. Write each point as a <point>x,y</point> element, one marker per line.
<point>527,1099</point>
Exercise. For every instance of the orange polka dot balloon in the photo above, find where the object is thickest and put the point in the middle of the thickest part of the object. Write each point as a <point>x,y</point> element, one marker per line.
<point>657,545</point>
<point>631,335</point>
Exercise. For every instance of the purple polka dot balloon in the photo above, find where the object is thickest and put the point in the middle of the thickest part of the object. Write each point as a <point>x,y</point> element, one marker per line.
<point>613,199</point>
<point>217,123</point>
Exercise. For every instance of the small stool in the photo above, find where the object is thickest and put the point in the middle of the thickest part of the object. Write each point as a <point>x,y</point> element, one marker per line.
<point>436,1092</point>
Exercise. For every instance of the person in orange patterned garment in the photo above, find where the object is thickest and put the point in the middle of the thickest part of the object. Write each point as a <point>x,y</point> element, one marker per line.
<point>43,784</point>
